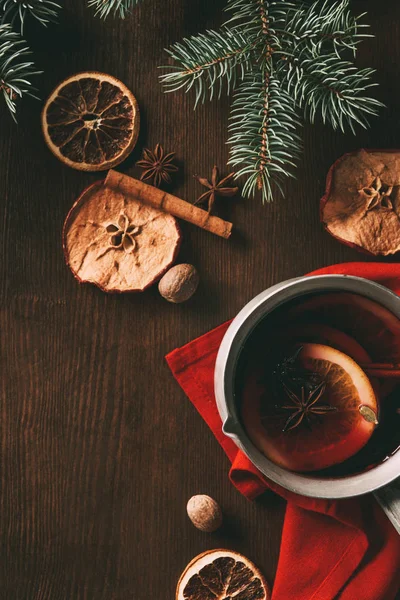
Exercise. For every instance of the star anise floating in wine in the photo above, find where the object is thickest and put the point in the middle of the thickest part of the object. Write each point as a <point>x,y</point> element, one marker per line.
<point>215,187</point>
<point>289,371</point>
<point>304,390</point>
<point>304,404</point>
<point>157,166</point>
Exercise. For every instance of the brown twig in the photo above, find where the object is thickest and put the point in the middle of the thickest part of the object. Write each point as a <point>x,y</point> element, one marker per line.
<point>152,196</point>
<point>389,370</point>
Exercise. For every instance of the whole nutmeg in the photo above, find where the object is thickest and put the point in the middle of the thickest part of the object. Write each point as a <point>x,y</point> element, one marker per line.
<point>179,283</point>
<point>204,512</point>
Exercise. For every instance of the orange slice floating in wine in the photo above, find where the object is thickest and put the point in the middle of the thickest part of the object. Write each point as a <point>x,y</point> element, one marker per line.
<point>311,428</point>
<point>319,333</point>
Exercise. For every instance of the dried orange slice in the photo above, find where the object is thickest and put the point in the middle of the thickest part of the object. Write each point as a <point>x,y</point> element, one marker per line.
<point>337,426</point>
<point>91,121</point>
<point>118,243</point>
<point>222,575</point>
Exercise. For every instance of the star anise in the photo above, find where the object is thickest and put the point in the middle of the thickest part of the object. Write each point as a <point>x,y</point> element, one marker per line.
<point>215,187</point>
<point>157,165</point>
<point>304,404</point>
<point>289,371</point>
<point>289,376</point>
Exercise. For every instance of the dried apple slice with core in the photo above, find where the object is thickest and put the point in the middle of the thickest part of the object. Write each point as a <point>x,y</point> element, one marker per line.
<point>321,440</point>
<point>361,205</point>
<point>91,121</point>
<point>118,243</point>
<point>222,575</point>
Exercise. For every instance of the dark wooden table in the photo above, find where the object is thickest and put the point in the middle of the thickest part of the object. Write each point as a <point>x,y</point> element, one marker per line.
<point>99,448</point>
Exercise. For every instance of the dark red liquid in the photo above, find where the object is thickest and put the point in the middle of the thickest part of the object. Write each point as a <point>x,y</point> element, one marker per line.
<point>265,340</point>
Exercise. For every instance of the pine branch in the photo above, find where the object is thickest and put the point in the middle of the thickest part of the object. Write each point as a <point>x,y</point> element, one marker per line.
<point>15,70</point>
<point>263,127</point>
<point>324,28</point>
<point>121,8</point>
<point>261,21</point>
<point>249,10</point>
<point>206,60</point>
<point>302,45</point>
<point>332,87</point>
<point>16,11</point>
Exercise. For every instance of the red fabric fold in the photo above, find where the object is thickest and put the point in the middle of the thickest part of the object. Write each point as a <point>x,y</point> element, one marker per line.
<point>330,549</point>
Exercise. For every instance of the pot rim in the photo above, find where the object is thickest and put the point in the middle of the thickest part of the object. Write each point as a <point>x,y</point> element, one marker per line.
<point>237,333</point>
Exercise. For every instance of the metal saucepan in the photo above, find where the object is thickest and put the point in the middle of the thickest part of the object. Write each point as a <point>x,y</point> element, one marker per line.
<point>378,478</point>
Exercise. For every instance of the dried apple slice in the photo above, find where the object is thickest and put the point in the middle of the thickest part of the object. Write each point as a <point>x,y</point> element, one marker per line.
<point>361,205</point>
<point>118,243</point>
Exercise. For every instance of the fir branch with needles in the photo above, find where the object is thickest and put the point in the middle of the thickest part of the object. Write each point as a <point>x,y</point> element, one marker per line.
<point>223,52</point>
<point>16,70</point>
<point>332,88</point>
<point>260,138</point>
<point>15,12</point>
<point>116,8</point>
<point>282,60</point>
<point>335,27</point>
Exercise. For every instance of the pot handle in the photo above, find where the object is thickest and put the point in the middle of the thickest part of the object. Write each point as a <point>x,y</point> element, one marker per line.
<point>389,499</point>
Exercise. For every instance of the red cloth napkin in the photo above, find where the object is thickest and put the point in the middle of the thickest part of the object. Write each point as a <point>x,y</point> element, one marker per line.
<point>330,549</point>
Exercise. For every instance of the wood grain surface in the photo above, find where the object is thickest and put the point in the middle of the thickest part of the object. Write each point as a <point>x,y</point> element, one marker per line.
<point>99,448</point>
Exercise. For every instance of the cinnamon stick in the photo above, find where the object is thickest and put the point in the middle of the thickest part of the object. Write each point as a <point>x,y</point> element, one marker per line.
<point>151,195</point>
<point>388,370</point>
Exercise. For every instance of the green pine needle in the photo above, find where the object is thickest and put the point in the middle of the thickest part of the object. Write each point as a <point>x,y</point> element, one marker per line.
<point>16,11</point>
<point>207,61</point>
<point>325,26</point>
<point>15,70</point>
<point>121,8</point>
<point>280,58</point>
<point>263,125</point>
<point>332,88</point>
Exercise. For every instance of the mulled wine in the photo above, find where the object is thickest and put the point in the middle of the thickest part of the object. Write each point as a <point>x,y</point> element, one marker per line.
<point>316,383</point>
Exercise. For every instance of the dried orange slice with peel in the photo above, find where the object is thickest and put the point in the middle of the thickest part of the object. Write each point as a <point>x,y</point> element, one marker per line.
<point>91,121</point>
<point>222,575</point>
<point>323,439</point>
